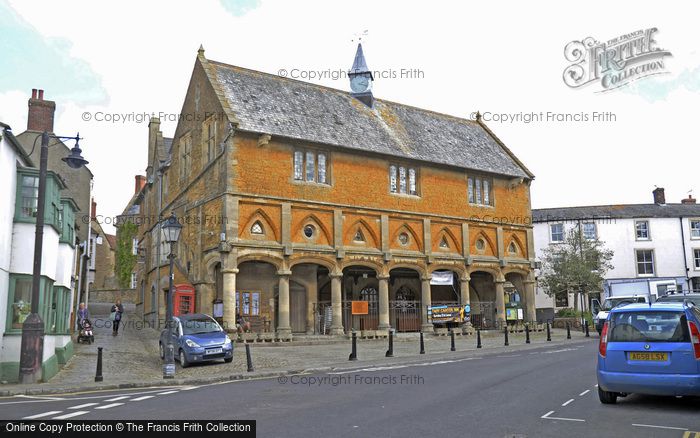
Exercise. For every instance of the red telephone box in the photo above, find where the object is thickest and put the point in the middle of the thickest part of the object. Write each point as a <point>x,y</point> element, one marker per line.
<point>183,301</point>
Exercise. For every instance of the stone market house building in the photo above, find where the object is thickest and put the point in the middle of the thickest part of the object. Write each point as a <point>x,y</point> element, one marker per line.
<point>297,199</point>
<point>19,179</point>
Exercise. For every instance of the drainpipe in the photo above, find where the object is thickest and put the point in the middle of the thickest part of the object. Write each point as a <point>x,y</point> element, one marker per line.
<point>685,255</point>
<point>76,290</point>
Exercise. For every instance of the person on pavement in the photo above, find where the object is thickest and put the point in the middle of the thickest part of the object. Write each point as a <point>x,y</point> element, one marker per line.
<point>117,311</point>
<point>82,314</point>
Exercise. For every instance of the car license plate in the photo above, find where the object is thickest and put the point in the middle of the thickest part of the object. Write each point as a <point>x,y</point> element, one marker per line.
<point>214,351</point>
<point>648,356</point>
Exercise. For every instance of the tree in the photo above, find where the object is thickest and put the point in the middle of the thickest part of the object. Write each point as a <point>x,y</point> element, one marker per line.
<point>125,257</point>
<point>578,266</point>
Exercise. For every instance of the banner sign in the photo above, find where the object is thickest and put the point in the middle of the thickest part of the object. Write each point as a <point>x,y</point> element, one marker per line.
<point>443,314</point>
<point>442,278</point>
<point>360,307</point>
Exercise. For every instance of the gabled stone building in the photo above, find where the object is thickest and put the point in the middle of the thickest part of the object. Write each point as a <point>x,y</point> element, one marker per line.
<point>297,199</point>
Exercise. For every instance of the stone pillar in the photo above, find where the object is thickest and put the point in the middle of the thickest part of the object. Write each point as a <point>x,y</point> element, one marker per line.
<point>383,302</point>
<point>311,299</point>
<point>284,328</point>
<point>229,298</point>
<point>531,313</point>
<point>337,304</point>
<point>464,297</point>
<point>425,302</point>
<point>500,304</point>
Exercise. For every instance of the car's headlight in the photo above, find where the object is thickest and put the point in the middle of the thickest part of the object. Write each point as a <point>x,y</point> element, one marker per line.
<point>192,344</point>
<point>227,341</point>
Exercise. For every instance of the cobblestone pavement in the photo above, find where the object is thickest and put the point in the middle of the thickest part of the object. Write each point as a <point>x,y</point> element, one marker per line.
<point>132,356</point>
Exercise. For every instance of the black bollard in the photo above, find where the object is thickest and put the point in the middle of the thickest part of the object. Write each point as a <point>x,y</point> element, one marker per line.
<point>249,358</point>
<point>549,334</point>
<point>506,335</point>
<point>353,353</point>
<point>527,334</point>
<point>588,334</point>
<point>422,345</point>
<point>568,331</point>
<point>98,372</point>
<point>390,351</point>
<point>452,340</point>
<point>478,338</point>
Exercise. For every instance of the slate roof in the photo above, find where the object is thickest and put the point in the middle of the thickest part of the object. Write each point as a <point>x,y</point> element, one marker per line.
<point>294,109</point>
<point>625,211</point>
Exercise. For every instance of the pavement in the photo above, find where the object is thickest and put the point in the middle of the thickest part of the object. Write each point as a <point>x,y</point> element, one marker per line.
<point>542,391</point>
<point>131,360</point>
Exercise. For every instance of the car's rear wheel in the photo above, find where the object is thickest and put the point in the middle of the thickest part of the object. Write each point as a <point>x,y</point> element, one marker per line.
<point>184,363</point>
<point>607,397</point>
<point>161,350</point>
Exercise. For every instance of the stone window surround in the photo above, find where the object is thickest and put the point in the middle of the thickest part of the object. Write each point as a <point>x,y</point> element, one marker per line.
<point>316,152</point>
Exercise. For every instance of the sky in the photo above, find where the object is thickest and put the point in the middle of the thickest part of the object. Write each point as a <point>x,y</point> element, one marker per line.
<point>504,59</point>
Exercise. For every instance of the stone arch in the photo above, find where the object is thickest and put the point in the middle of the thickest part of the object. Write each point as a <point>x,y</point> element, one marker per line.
<point>520,248</point>
<point>277,262</point>
<point>268,229</point>
<point>515,270</point>
<point>490,245</point>
<point>322,229</point>
<point>451,239</point>
<point>209,261</point>
<point>495,273</point>
<point>407,228</point>
<point>371,237</point>
<point>331,265</point>
<point>378,268</point>
<point>421,270</point>
<point>459,270</point>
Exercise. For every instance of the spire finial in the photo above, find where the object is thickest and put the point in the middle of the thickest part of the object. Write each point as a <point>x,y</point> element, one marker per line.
<point>200,52</point>
<point>478,116</point>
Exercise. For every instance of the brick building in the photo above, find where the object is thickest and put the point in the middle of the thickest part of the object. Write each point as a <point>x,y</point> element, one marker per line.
<point>297,199</point>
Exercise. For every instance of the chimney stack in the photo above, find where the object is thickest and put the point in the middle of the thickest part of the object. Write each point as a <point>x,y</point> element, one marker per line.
<point>94,210</point>
<point>41,112</point>
<point>140,181</point>
<point>659,196</point>
<point>688,200</point>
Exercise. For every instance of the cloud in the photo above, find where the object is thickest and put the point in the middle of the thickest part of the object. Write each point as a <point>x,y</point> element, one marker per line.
<point>33,61</point>
<point>239,8</point>
<point>656,89</point>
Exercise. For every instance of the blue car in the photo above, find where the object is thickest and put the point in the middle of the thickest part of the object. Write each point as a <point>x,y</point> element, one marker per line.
<point>650,349</point>
<point>197,338</point>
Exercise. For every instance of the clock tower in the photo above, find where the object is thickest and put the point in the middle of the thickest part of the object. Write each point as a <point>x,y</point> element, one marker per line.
<point>361,79</point>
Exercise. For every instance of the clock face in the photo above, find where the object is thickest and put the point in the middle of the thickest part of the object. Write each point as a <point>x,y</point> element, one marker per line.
<point>360,83</point>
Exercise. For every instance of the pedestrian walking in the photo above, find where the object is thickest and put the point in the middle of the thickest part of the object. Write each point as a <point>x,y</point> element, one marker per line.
<point>116,316</point>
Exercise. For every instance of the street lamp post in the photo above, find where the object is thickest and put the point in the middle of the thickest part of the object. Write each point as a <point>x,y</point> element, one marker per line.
<point>170,232</point>
<point>32,346</point>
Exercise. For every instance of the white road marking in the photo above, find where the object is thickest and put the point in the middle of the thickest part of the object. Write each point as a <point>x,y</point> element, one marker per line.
<point>596,385</point>
<point>113,405</point>
<point>189,388</point>
<point>659,427</point>
<point>117,398</point>
<point>547,417</point>
<point>394,367</point>
<point>34,397</point>
<point>71,415</point>
<point>45,414</point>
<point>584,393</point>
<point>83,406</point>
<point>167,392</point>
<point>145,397</point>
<point>567,402</point>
